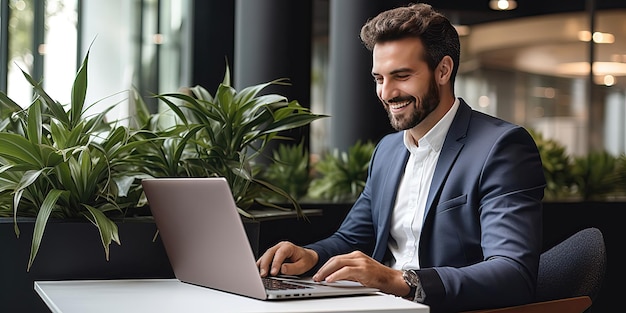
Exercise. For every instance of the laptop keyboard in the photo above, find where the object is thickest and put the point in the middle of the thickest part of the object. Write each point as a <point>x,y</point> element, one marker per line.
<point>275,284</point>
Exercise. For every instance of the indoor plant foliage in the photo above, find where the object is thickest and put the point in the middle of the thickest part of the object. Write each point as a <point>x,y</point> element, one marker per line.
<point>223,134</point>
<point>341,176</point>
<point>290,169</point>
<point>57,163</point>
<point>597,175</point>
<point>557,167</point>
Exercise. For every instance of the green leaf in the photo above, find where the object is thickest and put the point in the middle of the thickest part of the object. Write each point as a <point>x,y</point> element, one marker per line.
<point>56,108</point>
<point>143,116</point>
<point>124,184</point>
<point>34,129</point>
<point>27,179</point>
<point>106,227</point>
<point>174,107</point>
<point>202,94</point>
<point>40,224</point>
<point>18,149</point>
<point>79,90</point>
<point>60,135</point>
<point>8,104</point>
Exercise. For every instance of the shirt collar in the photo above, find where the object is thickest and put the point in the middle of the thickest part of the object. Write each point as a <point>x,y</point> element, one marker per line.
<point>435,136</point>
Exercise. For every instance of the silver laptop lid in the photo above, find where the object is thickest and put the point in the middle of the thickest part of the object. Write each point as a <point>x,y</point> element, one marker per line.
<point>206,248</point>
<point>207,245</point>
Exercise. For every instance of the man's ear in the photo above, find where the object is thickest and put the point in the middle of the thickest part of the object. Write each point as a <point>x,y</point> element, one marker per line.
<point>444,70</point>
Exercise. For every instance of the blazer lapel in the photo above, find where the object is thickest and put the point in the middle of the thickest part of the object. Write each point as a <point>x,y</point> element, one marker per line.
<point>451,148</point>
<point>395,165</point>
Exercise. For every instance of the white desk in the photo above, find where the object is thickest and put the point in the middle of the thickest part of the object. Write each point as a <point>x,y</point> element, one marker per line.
<point>170,295</point>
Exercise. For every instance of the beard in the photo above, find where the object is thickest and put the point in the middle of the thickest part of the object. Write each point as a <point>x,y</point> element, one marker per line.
<point>422,108</point>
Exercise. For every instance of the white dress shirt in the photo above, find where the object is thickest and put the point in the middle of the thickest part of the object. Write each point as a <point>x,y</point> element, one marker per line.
<point>408,212</point>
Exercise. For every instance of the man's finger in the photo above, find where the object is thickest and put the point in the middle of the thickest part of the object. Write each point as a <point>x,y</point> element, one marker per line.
<point>283,253</point>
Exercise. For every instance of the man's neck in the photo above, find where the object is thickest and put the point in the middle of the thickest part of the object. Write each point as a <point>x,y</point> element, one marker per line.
<point>445,103</point>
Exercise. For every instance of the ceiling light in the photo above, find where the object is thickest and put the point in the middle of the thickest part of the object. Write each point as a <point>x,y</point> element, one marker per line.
<point>503,5</point>
<point>608,80</point>
<point>598,37</point>
<point>599,68</point>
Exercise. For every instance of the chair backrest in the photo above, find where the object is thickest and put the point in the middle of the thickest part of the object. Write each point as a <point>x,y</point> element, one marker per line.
<point>570,276</point>
<point>574,267</point>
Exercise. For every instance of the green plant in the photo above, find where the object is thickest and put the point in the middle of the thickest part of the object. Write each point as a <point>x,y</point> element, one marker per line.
<point>222,135</point>
<point>341,176</point>
<point>557,167</point>
<point>620,170</point>
<point>160,149</point>
<point>57,163</point>
<point>596,175</point>
<point>290,169</point>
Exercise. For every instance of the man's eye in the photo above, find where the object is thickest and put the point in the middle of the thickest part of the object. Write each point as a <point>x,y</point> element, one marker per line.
<point>378,80</point>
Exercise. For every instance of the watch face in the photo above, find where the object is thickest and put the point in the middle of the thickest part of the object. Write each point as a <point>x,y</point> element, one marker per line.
<point>411,278</point>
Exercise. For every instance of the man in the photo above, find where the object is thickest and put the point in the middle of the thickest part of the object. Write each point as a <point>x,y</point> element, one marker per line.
<point>451,212</point>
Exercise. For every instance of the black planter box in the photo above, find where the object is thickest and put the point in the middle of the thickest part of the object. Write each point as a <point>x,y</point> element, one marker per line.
<point>73,250</point>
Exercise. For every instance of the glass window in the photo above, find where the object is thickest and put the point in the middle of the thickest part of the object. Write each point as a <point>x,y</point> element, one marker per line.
<point>59,48</point>
<point>20,38</point>
<point>57,51</point>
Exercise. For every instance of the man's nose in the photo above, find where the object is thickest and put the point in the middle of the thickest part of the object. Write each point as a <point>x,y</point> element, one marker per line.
<point>386,91</point>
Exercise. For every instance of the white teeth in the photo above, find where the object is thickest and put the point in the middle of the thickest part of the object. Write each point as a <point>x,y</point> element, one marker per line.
<point>399,105</point>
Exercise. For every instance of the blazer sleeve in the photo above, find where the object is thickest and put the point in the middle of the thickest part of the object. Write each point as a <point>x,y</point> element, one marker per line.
<point>366,226</point>
<point>482,238</point>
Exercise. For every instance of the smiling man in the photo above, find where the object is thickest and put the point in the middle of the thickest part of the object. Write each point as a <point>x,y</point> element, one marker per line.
<point>451,212</point>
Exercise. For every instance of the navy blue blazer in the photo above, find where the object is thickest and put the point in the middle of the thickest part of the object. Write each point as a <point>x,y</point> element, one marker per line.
<point>482,231</point>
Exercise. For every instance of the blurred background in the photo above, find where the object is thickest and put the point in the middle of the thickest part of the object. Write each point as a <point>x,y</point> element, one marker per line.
<point>556,67</point>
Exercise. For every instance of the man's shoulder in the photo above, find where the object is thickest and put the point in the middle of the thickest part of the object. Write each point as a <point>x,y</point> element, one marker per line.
<point>391,145</point>
<point>392,139</point>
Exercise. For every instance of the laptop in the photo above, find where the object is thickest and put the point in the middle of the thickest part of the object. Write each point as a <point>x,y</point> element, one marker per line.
<point>207,245</point>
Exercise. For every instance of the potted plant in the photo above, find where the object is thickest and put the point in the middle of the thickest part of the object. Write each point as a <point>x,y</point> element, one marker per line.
<point>596,175</point>
<point>326,187</point>
<point>557,167</point>
<point>290,170</point>
<point>223,135</point>
<point>56,163</point>
<point>63,164</point>
<point>58,181</point>
<point>340,176</point>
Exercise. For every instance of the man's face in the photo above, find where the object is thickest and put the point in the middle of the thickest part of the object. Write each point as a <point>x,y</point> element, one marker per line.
<point>404,83</point>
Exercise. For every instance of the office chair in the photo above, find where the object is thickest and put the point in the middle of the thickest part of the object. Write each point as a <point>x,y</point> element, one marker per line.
<point>570,276</point>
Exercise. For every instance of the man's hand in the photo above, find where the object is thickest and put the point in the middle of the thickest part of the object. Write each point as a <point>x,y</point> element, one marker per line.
<point>357,266</point>
<point>287,259</point>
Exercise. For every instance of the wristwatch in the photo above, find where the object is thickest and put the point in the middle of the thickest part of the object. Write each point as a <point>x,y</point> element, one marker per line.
<point>417,292</point>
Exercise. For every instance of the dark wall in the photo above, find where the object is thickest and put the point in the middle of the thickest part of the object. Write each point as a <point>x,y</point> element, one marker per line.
<point>213,42</point>
<point>273,40</point>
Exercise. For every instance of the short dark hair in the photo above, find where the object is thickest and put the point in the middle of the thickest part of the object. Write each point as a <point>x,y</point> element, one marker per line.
<point>421,21</point>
